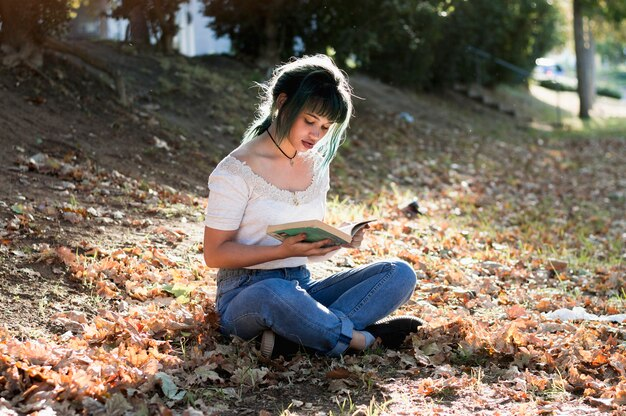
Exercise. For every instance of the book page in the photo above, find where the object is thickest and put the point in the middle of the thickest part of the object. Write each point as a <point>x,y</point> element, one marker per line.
<point>354,227</point>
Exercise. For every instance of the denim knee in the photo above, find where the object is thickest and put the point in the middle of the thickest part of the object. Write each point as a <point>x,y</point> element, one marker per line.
<point>266,300</point>
<point>273,287</point>
<point>404,275</point>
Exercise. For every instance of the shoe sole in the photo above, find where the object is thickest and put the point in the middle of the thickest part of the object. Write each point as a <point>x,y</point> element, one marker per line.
<point>419,321</point>
<point>267,343</point>
<point>393,331</point>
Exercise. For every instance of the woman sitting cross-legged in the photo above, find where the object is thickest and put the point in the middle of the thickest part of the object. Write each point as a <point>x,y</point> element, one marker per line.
<point>279,174</point>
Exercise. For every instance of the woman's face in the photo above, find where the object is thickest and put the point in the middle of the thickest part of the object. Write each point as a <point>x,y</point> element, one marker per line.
<point>308,129</point>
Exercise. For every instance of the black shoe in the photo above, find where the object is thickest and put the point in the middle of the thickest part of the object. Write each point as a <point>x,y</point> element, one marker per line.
<point>392,331</point>
<point>274,346</point>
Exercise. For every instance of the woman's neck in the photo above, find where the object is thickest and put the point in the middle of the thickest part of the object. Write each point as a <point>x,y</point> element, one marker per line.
<point>283,147</point>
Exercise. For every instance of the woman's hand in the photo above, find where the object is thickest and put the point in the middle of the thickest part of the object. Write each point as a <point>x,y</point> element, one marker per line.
<point>296,247</point>
<point>220,251</point>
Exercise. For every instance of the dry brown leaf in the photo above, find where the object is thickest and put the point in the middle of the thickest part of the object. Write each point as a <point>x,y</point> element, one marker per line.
<point>339,373</point>
<point>516,311</point>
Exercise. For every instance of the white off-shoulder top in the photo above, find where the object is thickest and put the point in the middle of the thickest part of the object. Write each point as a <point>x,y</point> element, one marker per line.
<point>241,200</point>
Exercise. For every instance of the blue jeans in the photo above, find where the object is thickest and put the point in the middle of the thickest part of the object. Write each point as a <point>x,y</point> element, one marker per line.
<point>319,314</point>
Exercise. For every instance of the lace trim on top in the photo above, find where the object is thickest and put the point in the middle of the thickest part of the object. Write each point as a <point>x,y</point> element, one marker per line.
<point>268,190</point>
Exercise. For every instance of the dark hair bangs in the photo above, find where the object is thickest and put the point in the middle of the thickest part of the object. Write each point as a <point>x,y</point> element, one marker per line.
<point>330,106</point>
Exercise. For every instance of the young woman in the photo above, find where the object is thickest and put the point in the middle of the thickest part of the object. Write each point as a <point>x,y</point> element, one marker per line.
<point>279,174</point>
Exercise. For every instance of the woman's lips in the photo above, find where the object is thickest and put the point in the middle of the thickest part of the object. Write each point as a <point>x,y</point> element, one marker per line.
<point>308,144</point>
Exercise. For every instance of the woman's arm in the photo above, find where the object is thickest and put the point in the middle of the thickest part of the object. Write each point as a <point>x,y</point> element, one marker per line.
<point>221,251</point>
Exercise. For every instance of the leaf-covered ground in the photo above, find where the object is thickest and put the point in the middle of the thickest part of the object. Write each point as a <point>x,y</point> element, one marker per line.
<point>108,309</point>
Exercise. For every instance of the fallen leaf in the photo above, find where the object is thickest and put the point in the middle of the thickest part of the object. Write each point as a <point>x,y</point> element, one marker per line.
<point>338,373</point>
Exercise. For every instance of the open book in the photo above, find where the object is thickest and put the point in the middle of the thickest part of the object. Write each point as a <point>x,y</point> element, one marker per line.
<point>317,230</point>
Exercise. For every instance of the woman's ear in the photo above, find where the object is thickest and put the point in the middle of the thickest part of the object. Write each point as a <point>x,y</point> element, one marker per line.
<point>282,97</point>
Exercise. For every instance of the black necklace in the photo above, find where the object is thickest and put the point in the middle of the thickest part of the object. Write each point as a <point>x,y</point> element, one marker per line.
<point>267,130</point>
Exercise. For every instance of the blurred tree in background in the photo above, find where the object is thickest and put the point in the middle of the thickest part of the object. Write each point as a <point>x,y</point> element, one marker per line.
<point>89,11</point>
<point>611,46</point>
<point>27,23</point>
<point>425,43</point>
<point>261,31</point>
<point>150,17</point>
<point>584,12</point>
<point>518,32</point>
<point>408,36</point>
<point>393,40</point>
<point>416,43</point>
<point>346,29</point>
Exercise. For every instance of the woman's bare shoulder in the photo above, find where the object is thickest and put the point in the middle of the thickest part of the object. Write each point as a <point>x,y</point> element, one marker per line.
<point>242,153</point>
<point>252,153</point>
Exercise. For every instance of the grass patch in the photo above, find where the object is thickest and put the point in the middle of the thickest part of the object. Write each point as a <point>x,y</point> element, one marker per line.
<point>528,106</point>
<point>345,210</point>
<point>614,77</point>
<point>592,129</point>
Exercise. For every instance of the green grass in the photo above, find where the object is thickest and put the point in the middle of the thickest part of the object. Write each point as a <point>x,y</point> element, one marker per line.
<point>618,300</point>
<point>345,210</point>
<point>613,77</point>
<point>528,106</point>
<point>347,407</point>
<point>596,129</point>
<point>467,357</point>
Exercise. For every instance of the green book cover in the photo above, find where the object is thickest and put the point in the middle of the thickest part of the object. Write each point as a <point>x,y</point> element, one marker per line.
<point>316,230</point>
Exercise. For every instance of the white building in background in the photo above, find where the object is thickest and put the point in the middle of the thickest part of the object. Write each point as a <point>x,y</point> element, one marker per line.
<point>193,38</point>
<point>116,29</point>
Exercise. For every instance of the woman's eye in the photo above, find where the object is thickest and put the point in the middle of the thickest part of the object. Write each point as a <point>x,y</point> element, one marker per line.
<point>308,122</point>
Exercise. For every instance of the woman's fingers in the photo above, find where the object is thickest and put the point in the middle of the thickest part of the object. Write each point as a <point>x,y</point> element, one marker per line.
<point>323,250</point>
<point>299,248</point>
<point>320,247</point>
<point>295,239</point>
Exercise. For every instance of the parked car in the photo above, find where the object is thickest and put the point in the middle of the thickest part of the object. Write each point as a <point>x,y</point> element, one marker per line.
<point>547,68</point>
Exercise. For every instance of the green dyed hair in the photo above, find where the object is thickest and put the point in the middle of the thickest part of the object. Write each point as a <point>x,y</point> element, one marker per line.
<point>311,83</point>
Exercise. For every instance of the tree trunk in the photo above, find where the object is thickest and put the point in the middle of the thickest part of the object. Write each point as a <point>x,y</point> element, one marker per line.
<point>585,68</point>
<point>270,48</point>
<point>138,25</point>
<point>166,22</point>
<point>18,38</point>
<point>166,42</point>
<point>103,27</point>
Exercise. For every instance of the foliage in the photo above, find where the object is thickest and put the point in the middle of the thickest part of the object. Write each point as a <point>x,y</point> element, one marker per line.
<point>609,92</point>
<point>611,50</point>
<point>605,91</point>
<point>393,40</point>
<point>160,14</point>
<point>40,17</point>
<point>424,43</point>
<point>245,23</point>
<point>610,41</point>
<point>407,41</point>
<point>417,43</point>
<point>557,86</point>
<point>613,11</point>
<point>518,32</point>
<point>346,29</point>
